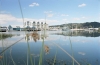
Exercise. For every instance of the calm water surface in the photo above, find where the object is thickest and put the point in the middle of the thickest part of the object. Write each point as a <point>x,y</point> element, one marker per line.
<point>22,49</point>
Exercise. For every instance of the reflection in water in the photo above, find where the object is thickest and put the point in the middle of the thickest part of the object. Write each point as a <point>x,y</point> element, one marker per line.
<point>82,53</point>
<point>57,62</point>
<point>4,36</point>
<point>0,57</point>
<point>35,55</point>
<point>33,50</point>
<point>44,36</point>
<point>79,33</point>
<point>35,36</point>
<point>27,37</point>
<point>18,34</point>
<point>46,49</point>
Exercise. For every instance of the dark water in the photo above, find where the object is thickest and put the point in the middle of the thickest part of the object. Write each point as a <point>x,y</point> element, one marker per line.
<point>62,47</point>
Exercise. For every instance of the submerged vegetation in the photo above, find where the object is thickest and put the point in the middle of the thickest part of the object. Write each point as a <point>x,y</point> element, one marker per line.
<point>4,36</point>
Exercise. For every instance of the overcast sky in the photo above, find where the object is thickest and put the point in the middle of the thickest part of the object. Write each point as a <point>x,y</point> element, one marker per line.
<point>56,11</point>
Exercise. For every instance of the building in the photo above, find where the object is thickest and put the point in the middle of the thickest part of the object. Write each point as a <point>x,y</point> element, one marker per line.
<point>46,27</point>
<point>33,25</point>
<point>41,25</point>
<point>36,26</point>
<point>3,29</point>
<point>18,28</point>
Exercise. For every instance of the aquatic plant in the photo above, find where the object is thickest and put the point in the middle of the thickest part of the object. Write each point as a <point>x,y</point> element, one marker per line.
<point>46,49</point>
<point>41,52</point>
<point>71,49</point>
<point>35,36</point>
<point>12,57</point>
<point>0,57</point>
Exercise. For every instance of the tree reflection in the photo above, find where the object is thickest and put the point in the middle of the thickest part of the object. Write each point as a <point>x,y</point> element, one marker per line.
<point>79,33</point>
<point>4,36</point>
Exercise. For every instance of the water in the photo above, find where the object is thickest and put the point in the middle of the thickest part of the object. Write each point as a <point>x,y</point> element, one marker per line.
<point>84,47</point>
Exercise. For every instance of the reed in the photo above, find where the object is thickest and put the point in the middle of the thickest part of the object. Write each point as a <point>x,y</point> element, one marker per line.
<point>72,50</point>
<point>54,60</point>
<point>12,57</point>
<point>29,53</point>
<point>41,53</point>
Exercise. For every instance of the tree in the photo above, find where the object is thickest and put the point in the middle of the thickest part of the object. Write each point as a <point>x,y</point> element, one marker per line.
<point>9,27</point>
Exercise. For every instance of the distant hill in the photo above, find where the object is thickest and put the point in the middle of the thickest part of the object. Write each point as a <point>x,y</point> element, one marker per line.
<point>81,25</point>
<point>92,24</point>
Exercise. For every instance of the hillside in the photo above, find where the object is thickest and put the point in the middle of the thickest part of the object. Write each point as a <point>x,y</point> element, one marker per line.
<point>81,25</point>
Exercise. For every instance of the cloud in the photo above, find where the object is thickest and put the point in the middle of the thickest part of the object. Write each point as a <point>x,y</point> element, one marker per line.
<point>6,17</point>
<point>48,21</point>
<point>33,4</point>
<point>64,15</point>
<point>84,17</point>
<point>75,19</point>
<point>50,15</point>
<point>81,53</point>
<point>1,23</point>
<point>82,5</point>
<point>14,21</point>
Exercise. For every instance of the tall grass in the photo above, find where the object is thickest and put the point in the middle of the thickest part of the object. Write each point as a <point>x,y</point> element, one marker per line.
<point>42,48</point>
<point>29,53</point>
<point>71,49</point>
<point>54,61</point>
<point>12,58</point>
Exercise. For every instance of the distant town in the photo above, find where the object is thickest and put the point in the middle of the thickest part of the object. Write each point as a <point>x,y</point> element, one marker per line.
<point>41,26</point>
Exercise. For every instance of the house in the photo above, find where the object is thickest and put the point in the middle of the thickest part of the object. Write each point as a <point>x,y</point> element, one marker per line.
<point>3,29</point>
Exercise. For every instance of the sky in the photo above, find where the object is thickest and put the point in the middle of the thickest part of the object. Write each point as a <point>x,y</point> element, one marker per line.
<point>53,12</point>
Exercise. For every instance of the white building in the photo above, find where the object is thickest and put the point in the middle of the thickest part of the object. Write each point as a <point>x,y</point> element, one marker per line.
<point>37,25</point>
